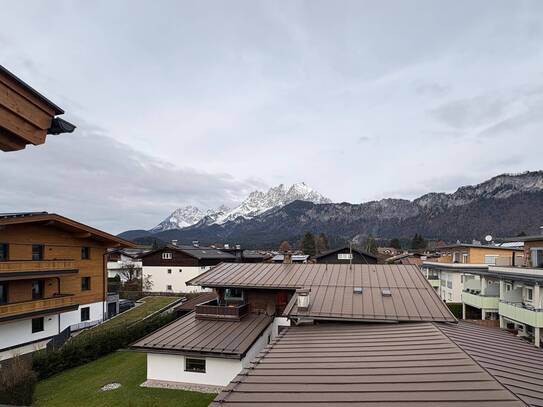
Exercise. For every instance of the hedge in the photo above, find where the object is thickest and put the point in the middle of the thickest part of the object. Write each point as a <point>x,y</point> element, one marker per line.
<point>86,348</point>
<point>17,381</point>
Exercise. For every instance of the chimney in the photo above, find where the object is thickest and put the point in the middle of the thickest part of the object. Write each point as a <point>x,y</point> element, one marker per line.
<point>174,242</point>
<point>287,258</point>
<point>196,243</point>
<point>303,298</point>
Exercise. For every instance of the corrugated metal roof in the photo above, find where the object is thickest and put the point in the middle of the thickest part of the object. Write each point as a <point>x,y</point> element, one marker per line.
<point>191,335</point>
<point>515,363</point>
<point>332,289</point>
<point>369,365</point>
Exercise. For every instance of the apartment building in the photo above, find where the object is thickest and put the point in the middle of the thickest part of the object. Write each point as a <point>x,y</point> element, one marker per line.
<point>52,277</point>
<point>167,269</point>
<point>26,116</point>
<point>124,263</point>
<point>448,271</point>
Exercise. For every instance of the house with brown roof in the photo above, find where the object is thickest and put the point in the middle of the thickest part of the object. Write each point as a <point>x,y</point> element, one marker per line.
<point>254,302</point>
<point>52,278</point>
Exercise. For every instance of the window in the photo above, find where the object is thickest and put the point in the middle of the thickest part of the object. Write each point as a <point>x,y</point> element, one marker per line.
<point>37,252</point>
<point>85,314</point>
<point>37,289</point>
<point>4,251</point>
<point>37,325</point>
<point>3,293</point>
<point>169,287</point>
<point>537,257</point>
<point>195,365</point>
<point>166,256</point>
<point>529,294</point>
<point>169,271</point>
<point>85,283</point>
<point>449,284</point>
<point>233,294</point>
<point>465,258</point>
<point>180,270</point>
<point>508,287</point>
<point>344,256</point>
<point>443,283</point>
<point>85,253</point>
<point>490,259</point>
<point>456,257</point>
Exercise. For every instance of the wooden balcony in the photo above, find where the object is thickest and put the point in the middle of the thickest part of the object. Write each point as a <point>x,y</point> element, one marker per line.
<point>28,268</point>
<point>24,308</point>
<point>212,310</point>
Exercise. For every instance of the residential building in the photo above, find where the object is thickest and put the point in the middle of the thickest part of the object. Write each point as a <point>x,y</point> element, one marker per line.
<point>290,258</point>
<point>447,272</point>
<point>255,302</point>
<point>124,263</point>
<point>411,258</point>
<point>244,255</point>
<point>346,255</point>
<point>26,116</point>
<point>167,269</point>
<point>52,277</point>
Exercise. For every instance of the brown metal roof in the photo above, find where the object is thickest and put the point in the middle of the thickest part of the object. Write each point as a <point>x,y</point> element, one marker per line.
<point>190,335</point>
<point>333,293</point>
<point>189,305</point>
<point>369,365</point>
<point>514,362</point>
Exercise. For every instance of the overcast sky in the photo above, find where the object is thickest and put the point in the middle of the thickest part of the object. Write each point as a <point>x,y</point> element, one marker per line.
<point>201,102</point>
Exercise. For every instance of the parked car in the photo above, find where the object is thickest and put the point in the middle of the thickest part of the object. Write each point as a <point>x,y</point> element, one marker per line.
<point>125,305</point>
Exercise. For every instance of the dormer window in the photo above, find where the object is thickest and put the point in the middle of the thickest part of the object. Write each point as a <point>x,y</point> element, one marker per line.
<point>167,256</point>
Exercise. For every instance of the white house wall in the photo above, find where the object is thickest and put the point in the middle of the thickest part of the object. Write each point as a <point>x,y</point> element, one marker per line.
<point>161,279</point>
<point>171,368</point>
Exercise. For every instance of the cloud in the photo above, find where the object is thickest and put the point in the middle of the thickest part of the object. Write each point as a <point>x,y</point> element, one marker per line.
<point>93,178</point>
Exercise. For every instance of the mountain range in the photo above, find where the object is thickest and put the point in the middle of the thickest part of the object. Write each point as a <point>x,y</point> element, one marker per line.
<point>503,206</point>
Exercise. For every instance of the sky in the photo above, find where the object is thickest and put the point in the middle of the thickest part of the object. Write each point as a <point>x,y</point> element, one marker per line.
<point>201,102</point>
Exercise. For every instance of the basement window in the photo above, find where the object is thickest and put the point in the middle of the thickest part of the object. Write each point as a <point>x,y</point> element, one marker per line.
<point>386,292</point>
<point>195,365</point>
<point>85,314</point>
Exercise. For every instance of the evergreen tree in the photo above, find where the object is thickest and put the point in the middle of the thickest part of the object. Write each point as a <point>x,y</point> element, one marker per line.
<point>284,246</point>
<point>322,243</point>
<point>307,244</point>
<point>395,244</point>
<point>418,242</point>
<point>370,246</point>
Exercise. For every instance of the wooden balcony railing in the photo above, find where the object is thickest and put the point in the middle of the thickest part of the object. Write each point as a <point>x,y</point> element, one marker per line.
<point>41,265</point>
<point>211,310</point>
<point>19,308</point>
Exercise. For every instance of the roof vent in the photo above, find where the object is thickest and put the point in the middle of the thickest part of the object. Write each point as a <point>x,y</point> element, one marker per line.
<point>358,290</point>
<point>303,298</point>
<point>386,292</point>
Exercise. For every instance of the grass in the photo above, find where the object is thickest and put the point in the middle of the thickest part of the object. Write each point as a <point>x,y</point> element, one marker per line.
<point>81,386</point>
<point>151,304</point>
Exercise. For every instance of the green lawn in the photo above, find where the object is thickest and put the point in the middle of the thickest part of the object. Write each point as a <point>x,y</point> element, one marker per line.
<point>152,304</point>
<point>81,386</point>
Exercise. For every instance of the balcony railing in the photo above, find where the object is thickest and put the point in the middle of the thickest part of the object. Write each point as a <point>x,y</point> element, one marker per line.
<point>521,312</point>
<point>212,310</point>
<point>18,308</point>
<point>32,265</point>
<point>489,302</point>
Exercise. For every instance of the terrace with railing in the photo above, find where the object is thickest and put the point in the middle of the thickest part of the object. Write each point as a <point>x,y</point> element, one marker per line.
<point>215,310</point>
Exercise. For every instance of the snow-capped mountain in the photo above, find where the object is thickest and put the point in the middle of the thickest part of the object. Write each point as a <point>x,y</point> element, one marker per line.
<point>255,204</point>
<point>186,216</point>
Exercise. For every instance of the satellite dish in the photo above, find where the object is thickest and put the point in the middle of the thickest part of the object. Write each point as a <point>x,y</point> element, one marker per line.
<point>488,238</point>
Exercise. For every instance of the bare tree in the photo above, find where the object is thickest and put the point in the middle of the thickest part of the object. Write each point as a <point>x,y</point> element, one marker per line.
<point>129,272</point>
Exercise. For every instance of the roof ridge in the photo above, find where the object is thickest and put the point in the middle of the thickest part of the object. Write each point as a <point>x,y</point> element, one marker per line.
<point>478,364</point>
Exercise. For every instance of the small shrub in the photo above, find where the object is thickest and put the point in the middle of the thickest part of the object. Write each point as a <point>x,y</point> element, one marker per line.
<point>17,381</point>
<point>90,346</point>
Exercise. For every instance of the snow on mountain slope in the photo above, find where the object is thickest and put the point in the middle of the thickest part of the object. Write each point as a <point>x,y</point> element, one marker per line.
<point>255,204</point>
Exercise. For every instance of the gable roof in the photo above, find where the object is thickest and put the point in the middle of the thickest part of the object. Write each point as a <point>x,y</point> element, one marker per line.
<point>189,335</point>
<point>52,219</point>
<point>198,252</point>
<point>333,295</point>
<point>337,250</point>
<point>515,363</point>
<point>374,365</point>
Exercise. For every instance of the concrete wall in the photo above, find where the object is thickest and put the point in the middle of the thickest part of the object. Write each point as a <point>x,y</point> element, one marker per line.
<point>171,368</point>
<point>160,278</point>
